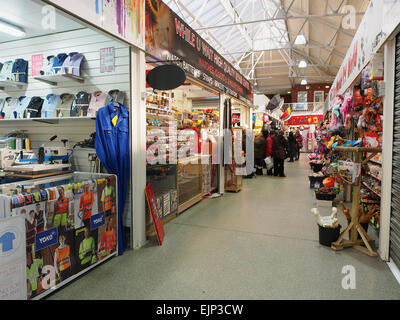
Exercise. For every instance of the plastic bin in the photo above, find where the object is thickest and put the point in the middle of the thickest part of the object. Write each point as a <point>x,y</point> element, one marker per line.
<point>315,182</point>
<point>324,196</point>
<point>328,235</point>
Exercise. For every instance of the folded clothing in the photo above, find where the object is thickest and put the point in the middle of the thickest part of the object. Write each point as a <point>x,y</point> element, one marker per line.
<point>80,105</point>
<point>97,101</point>
<point>34,108</point>
<point>6,71</point>
<point>63,107</point>
<point>9,106</point>
<point>23,103</point>
<point>20,70</point>
<point>58,62</point>
<point>73,63</point>
<point>49,105</point>
<point>48,68</point>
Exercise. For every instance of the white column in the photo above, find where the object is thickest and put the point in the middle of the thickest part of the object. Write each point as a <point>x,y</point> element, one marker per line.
<point>386,192</point>
<point>138,143</point>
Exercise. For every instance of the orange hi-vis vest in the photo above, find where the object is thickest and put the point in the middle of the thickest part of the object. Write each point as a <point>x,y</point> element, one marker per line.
<point>63,260</point>
<point>108,240</point>
<point>62,205</point>
<point>108,202</point>
<point>86,205</point>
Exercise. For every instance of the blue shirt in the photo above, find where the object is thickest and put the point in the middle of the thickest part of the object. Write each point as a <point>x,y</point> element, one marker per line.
<point>58,61</point>
<point>49,105</point>
<point>72,63</point>
<point>20,70</point>
<point>7,241</point>
<point>23,103</point>
<point>6,71</point>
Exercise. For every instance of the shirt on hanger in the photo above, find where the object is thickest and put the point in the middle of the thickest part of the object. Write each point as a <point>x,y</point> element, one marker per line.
<point>81,104</point>
<point>10,104</point>
<point>1,107</point>
<point>20,70</point>
<point>49,105</point>
<point>6,71</point>
<point>23,103</point>
<point>115,96</point>
<point>97,101</point>
<point>48,69</point>
<point>73,63</point>
<point>34,108</point>
<point>63,107</point>
<point>58,62</point>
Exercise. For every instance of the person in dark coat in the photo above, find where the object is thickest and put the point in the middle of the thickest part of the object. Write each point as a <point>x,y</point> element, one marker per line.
<point>259,153</point>
<point>279,147</point>
<point>292,146</point>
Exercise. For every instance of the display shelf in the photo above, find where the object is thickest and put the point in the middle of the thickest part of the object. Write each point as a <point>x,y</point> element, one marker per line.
<point>370,189</point>
<point>56,78</point>
<point>4,84</point>
<point>375,161</point>
<point>160,109</point>
<point>52,120</point>
<point>375,177</point>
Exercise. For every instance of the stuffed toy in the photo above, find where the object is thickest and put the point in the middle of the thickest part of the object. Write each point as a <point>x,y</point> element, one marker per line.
<point>347,111</point>
<point>336,116</point>
<point>328,221</point>
<point>362,120</point>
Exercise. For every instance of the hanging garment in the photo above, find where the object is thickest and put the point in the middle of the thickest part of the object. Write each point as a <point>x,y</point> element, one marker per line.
<point>23,103</point>
<point>20,70</point>
<point>97,101</point>
<point>115,96</point>
<point>49,105</point>
<point>112,148</point>
<point>80,105</point>
<point>34,108</point>
<point>63,108</point>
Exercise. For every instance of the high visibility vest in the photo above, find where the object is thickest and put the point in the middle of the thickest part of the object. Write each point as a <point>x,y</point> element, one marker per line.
<point>32,272</point>
<point>61,209</point>
<point>30,231</point>
<point>86,250</point>
<point>108,192</point>
<point>63,259</point>
<point>108,240</point>
<point>87,201</point>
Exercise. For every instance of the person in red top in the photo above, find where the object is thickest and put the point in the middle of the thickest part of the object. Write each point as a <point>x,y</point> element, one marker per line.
<point>268,149</point>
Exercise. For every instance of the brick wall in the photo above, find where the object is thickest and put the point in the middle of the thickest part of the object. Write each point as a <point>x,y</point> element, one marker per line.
<point>310,91</point>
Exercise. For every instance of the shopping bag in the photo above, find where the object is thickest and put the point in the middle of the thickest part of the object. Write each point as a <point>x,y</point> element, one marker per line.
<point>269,163</point>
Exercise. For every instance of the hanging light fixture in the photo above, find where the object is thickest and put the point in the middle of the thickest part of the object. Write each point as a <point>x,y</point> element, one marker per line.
<point>300,39</point>
<point>302,64</point>
<point>303,82</point>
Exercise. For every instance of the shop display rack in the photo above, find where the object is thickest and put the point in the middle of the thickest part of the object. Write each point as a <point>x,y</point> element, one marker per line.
<point>56,78</point>
<point>4,84</point>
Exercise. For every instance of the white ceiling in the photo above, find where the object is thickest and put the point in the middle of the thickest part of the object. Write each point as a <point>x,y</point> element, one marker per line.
<point>28,15</point>
<point>257,36</point>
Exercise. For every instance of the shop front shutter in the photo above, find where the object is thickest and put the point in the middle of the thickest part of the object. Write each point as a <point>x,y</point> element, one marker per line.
<point>394,247</point>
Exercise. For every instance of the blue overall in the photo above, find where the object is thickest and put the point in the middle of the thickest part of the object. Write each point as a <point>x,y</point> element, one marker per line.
<point>112,148</point>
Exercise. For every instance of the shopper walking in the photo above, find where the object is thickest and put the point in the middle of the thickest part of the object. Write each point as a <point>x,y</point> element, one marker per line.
<point>292,146</point>
<point>269,149</point>
<point>259,152</point>
<point>299,140</point>
<point>279,147</point>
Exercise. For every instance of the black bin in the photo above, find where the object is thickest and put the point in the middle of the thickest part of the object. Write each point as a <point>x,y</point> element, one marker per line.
<point>328,235</point>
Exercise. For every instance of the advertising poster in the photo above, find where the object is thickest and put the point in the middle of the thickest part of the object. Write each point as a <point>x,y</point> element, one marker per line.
<point>155,214</point>
<point>85,203</point>
<point>37,64</point>
<point>107,60</point>
<point>305,120</point>
<point>13,281</point>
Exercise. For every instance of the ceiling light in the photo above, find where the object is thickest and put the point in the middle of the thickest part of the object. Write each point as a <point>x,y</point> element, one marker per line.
<point>302,64</point>
<point>288,92</point>
<point>11,29</point>
<point>300,39</point>
<point>303,82</point>
<point>327,87</point>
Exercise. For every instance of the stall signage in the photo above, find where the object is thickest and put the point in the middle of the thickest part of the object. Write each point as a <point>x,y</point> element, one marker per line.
<point>12,259</point>
<point>46,238</point>
<point>107,60</point>
<point>169,38</point>
<point>379,21</point>
<point>37,64</point>
<point>97,221</point>
<point>304,120</point>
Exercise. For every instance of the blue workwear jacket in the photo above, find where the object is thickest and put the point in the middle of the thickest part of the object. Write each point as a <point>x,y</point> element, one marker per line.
<point>112,148</point>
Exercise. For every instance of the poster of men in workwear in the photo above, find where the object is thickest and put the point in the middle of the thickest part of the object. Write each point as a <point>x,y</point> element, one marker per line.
<point>107,195</point>
<point>86,203</point>
<point>60,207</point>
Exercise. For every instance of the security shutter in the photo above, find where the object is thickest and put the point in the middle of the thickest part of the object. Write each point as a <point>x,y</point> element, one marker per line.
<point>394,247</point>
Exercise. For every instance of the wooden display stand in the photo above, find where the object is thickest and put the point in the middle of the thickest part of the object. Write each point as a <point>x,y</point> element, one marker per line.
<point>354,226</point>
<point>233,182</point>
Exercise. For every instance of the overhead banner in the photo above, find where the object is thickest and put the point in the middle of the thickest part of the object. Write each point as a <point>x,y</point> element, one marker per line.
<point>304,120</point>
<point>122,18</point>
<point>379,21</point>
<point>168,37</point>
